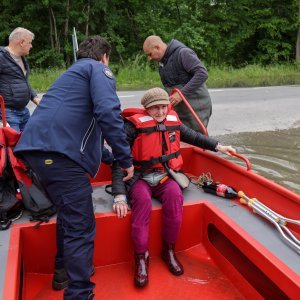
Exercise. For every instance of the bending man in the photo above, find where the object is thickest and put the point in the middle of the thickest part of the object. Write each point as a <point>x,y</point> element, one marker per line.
<point>180,67</point>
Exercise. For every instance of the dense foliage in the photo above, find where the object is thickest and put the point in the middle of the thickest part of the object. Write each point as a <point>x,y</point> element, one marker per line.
<point>225,32</point>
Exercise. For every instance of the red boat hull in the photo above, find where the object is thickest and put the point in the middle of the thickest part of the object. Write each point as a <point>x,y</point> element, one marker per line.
<point>221,259</point>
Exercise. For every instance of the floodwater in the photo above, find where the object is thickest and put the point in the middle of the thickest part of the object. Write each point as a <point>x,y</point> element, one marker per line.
<point>273,154</point>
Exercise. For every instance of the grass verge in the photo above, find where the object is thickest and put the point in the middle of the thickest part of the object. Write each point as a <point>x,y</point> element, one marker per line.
<point>135,76</point>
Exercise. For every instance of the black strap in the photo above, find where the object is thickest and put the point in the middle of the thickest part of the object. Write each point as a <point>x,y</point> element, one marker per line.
<point>4,224</point>
<point>40,220</point>
<point>108,189</point>
<point>158,127</point>
<point>145,164</point>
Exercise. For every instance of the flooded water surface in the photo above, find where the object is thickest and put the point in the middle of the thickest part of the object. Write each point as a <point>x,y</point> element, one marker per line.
<point>273,154</point>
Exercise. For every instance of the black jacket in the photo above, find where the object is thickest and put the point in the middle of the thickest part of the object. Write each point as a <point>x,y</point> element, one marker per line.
<point>187,135</point>
<point>14,85</point>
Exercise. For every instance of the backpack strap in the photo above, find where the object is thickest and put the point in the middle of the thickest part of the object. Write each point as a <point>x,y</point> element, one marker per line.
<point>108,189</point>
<point>41,220</point>
<point>5,224</point>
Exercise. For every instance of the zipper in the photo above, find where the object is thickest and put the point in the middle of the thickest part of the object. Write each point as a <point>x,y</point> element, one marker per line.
<point>101,146</point>
<point>86,136</point>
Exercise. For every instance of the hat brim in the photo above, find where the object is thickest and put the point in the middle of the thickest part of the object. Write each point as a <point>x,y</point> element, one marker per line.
<point>157,102</point>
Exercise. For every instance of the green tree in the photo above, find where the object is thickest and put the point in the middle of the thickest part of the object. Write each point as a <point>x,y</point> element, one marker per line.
<point>222,32</point>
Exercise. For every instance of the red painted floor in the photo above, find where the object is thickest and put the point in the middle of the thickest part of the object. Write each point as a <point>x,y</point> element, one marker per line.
<point>202,280</point>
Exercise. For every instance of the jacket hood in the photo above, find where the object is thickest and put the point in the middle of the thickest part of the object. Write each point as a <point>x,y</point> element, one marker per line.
<point>172,46</point>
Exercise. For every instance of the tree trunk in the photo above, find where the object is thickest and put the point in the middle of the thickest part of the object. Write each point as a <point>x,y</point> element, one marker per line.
<point>56,40</point>
<point>51,29</point>
<point>66,31</point>
<point>298,45</point>
<point>298,39</point>
<point>67,19</point>
<point>87,18</point>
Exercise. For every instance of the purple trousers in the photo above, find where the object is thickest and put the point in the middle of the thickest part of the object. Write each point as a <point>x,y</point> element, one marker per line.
<point>170,195</point>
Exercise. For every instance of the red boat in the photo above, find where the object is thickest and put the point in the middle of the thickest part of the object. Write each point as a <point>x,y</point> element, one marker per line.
<point>228,251</point>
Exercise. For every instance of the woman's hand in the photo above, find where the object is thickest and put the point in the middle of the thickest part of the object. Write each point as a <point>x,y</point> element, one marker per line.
<point>225,149</point>
<point>120,206</point>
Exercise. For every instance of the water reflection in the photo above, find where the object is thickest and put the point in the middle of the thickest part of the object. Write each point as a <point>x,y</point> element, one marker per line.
<point>273,154</point>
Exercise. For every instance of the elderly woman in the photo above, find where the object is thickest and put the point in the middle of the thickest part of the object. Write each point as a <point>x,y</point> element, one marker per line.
<point>154,134</point>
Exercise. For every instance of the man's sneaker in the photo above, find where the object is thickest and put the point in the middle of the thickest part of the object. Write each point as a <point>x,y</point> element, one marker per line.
<point>60,279</point>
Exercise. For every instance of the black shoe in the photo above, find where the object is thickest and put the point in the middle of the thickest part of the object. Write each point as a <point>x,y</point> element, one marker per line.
<point>141,269</point>
<point>169,257</point>
<point>60,279</point>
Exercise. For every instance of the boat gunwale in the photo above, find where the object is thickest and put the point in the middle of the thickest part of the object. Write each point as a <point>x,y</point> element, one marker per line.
<point>267,183</point>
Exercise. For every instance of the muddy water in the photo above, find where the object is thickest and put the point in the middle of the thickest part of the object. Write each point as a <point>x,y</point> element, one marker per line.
<point>273,154</point>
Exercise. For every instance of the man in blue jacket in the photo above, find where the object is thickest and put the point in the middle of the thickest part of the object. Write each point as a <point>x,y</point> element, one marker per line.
<point>63,142</point>
<point>14,72</point>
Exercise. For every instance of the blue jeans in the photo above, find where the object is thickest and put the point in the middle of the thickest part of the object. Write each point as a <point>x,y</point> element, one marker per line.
<point>17,119</point>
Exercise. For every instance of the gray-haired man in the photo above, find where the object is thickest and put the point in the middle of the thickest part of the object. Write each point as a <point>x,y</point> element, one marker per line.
<point>14,73</point>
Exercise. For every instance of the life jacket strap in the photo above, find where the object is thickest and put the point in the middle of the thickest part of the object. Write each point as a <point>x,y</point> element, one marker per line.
<point>146,164</point>
<point>158,127</point>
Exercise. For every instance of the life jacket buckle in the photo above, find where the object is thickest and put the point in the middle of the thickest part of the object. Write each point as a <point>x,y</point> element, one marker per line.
<point>161,127</point>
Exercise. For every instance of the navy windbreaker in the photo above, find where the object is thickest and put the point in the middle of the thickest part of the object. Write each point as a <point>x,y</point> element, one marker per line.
<point>78,112</point>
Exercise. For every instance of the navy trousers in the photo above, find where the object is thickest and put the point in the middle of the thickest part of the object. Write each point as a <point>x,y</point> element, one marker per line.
<point>69,188</point>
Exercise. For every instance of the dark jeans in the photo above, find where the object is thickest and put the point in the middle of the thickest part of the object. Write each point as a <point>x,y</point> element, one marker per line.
<point>69,188</point>
<point>17,119</point>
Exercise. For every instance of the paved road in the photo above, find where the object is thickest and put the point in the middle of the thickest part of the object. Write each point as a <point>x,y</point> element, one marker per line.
<point>243,109</point>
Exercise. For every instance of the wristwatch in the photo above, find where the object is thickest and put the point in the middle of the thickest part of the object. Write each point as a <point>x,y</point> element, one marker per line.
<point>122,198</point>
<point>216,148</point>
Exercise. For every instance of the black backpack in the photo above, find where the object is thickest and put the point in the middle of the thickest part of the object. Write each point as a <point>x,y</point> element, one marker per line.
<point>11,207</point>
<point>18,183</point>
<point>36,201</point>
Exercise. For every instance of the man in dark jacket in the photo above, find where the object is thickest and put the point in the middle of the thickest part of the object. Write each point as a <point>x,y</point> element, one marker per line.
<point>179,67</point>
<point>14,72</point>
<point>63,143</point>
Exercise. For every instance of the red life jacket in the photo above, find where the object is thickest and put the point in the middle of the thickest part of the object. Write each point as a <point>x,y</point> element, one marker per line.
<point>156,143</point>
<point>9,195</point>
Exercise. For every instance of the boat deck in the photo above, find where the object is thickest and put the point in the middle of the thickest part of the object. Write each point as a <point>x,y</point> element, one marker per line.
<point>260,229</point>
<point>202,275</point>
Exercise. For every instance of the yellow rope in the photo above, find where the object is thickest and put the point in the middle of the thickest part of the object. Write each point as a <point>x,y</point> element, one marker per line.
<point>204,177</point>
